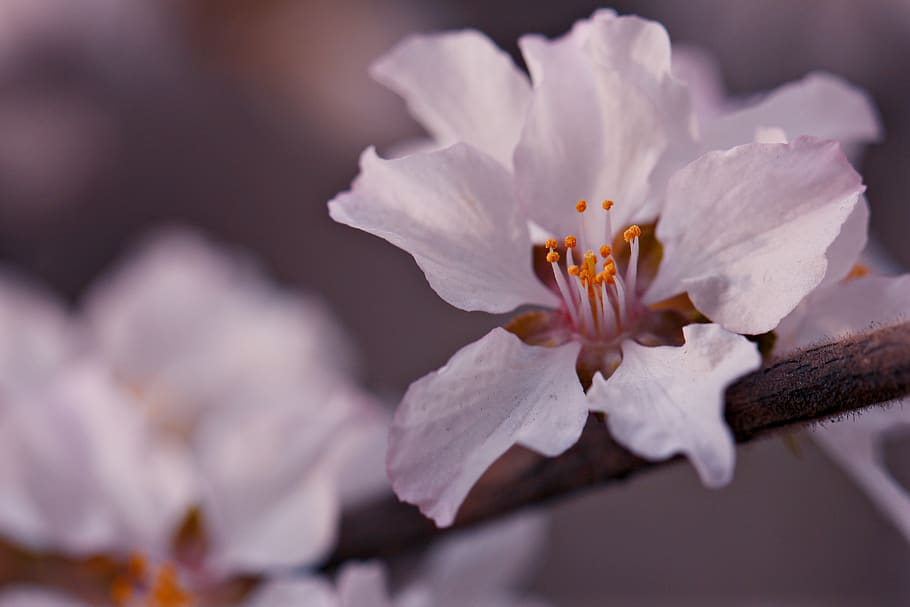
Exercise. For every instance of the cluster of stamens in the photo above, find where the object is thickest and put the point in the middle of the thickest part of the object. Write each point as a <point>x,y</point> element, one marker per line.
<point>598,299</point>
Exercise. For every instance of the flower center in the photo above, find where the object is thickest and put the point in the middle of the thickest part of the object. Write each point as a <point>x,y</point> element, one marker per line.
<point>140,586</point>
<point>600,301</point>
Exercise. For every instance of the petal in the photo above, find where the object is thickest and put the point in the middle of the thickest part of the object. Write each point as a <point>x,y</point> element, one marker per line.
<point>461,88</point>
<point>820,105</point>
<point>296,592</point>
<point>845,309</point>
<point>667,400</point>
<point>844,252</point>
<point>492,394</point>
<point>701,72</point>
<point>745,231</point>
<point>857,446</point>
<point>454,211</point>
<point>93,477</point>
<point>276,507</point>
<point>363,585</point>
<point>603,115</point>
<point>37,336</point>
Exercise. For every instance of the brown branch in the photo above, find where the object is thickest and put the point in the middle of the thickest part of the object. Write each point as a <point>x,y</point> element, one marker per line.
<point>812,384</point>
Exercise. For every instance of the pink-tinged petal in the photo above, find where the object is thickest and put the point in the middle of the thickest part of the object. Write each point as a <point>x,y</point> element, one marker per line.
<point>701,72</point>
<point>820,105</point>
<point>363,585</point>
<point>602,118</point>
<point>37,336</point>
<point>745,232</point>
<point>847,309</point>
<point>190,325</point>
<point>461,88</point>
<point>857,445</point>
<point>276,507</point>
<point>845,251</point>
<point>81,459</point>
<point>294,592</point>
<point>666,400</point>
<point>492,394</point>
<point>455,212</point>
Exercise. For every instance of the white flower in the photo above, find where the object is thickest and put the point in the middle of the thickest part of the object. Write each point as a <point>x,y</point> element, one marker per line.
<point>744,234</point>
<point>192,383</point>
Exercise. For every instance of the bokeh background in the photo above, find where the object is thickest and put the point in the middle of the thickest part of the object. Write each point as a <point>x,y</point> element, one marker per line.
<point>243,117</point>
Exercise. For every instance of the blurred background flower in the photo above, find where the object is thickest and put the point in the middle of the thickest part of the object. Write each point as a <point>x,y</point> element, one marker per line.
<point>243,117</point>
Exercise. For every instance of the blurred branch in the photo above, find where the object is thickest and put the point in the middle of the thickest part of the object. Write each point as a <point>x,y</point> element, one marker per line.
<point>812,384</point>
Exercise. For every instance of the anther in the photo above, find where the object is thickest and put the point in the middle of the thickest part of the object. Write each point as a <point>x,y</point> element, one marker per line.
<point>581,206</point>
<point>552,257</point>
<point>605,250</point>
<point>607,205</point>
<point>574,271</point>
<point>550,243</point>
<point>633,232</point>
<point>571,242</point>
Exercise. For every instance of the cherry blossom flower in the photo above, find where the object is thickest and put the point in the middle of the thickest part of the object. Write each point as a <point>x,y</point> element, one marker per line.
<point>193,415</point>
<point>737,237</point>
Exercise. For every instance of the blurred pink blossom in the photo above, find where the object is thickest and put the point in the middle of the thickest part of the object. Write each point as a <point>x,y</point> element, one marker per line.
<point>188,381</point>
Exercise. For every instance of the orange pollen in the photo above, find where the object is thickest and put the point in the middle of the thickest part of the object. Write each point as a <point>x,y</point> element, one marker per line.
<point>571,242</point>
<point>550,243</point>
<point>581,206</point>
<point>166,590</point>
<point>607,205</point>
<point>858,271</point>
<point>552,257</point>
<point>633,232</point>
<point>121,591</point>
<point>574,270</point>
<point>605,250</point>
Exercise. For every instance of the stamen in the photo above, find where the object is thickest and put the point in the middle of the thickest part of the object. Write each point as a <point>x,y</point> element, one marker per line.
<point>550,243</point>
<point>605,250</point>
<point>567,297</point>
<point>632,237</point>
<point>632,232</point>
<point>607,205</point>
<point>581,206</point>
<point>571,242</point>
<point>573,270</point>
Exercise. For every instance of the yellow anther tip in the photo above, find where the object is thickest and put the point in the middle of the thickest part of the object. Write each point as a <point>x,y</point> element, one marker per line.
<point>574,271</point>
<point>581,206</point>
<point>550,243</point>
<point>589,253</point>
<point>607,205</point>
<point>633,232</point>
<point>605,250</point>
<point>552,257</point>
<point>571,242</point>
